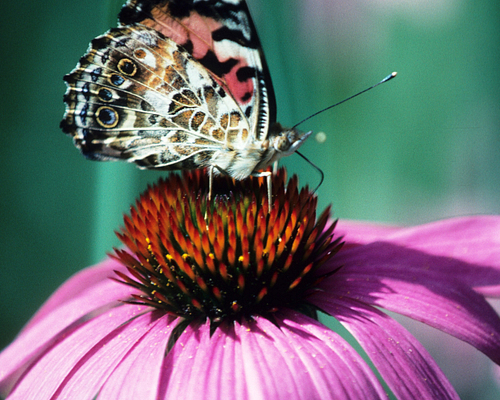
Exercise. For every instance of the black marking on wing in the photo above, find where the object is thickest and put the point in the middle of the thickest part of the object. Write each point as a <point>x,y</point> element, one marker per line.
<point>95,74</point>
<point>86,91</point>
<point>246,96</point>
<point>134,11</point>
<point>245,73</point>
<point>236,36</point>
<point>211,62</point>
<point>188,46</point>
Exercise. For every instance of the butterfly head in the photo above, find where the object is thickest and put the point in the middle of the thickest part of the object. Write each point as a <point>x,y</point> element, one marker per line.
<point>283,142</point>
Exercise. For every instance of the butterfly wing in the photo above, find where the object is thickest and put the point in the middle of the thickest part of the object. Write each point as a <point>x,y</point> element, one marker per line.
<point>171,88</point>
<point>219,34</point>
<point>136,95</point>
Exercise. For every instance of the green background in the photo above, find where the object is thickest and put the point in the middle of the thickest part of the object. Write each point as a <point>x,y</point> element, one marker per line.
<point>421,147</point>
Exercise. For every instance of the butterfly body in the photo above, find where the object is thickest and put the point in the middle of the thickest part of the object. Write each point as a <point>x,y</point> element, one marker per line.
<point>180,85</point>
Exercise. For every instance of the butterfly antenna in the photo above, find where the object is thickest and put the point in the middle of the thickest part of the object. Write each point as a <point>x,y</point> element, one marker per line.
<point>317,169</point>
<point>343,101</point>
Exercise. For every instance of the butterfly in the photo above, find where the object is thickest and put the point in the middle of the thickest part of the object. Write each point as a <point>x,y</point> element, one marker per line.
<point>180,84</point>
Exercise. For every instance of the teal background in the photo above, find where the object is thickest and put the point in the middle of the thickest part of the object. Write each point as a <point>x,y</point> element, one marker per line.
<point>421,147</point>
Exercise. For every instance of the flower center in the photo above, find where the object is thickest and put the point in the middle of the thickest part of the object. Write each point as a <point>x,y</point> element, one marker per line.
<point>234,257</point>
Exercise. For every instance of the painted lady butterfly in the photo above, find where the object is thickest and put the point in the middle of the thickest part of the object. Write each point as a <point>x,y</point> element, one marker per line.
<point>180,84</point>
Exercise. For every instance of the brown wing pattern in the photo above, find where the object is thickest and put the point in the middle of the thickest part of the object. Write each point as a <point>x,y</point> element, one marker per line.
<point>137,96</point>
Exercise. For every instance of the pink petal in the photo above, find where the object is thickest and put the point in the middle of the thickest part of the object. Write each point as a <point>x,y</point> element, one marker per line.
<point>359,232</point>
<point>348,376</point>
<point>402,361</point>
<point>73,356</point>
<point>93,370</point>
<point>200,363</point>
<point>138,374</point>
<point>78,284</point>
<point>95,294</point>
<point>299,360</point>
<point>412,283</point>
<point>474,240</point>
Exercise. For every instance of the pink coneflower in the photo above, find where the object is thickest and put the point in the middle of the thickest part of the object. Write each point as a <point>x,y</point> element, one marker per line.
<point>220,301</point>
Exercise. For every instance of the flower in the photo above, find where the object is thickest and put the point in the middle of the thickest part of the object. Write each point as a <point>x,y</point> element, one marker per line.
<point>220,301</point>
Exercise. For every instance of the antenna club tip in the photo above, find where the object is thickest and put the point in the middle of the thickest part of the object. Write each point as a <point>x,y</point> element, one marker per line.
<point>387,78</point>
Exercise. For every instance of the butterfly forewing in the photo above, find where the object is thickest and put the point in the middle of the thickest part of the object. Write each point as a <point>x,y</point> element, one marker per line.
<point>179,84</point>
<point>221,36</point>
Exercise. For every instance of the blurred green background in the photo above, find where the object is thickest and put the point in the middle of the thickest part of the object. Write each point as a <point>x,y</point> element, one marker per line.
<point>421,147</point>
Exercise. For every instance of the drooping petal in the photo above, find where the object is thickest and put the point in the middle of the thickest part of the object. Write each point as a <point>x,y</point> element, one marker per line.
<point>299,360</point>
<point>405,365</point>
<point>474,240</point>
<point>94,293</point>
<point>79,360</point>
<point>412,283</point>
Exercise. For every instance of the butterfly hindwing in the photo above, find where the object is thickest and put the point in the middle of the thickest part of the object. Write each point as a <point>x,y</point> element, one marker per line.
<point>136,95</point>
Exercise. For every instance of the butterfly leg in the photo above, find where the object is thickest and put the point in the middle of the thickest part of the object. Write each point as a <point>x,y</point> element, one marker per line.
<point>269,190</point>
<point>210,182</point>
<point>268,175</point>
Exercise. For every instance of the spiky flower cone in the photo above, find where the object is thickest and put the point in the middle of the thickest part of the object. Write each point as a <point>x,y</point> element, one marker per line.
<point>234,257</point>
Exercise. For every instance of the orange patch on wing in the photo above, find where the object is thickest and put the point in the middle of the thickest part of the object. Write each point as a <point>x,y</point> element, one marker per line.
<point>195,28</point>
<point>200,33</point>
<point>164,23</point>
